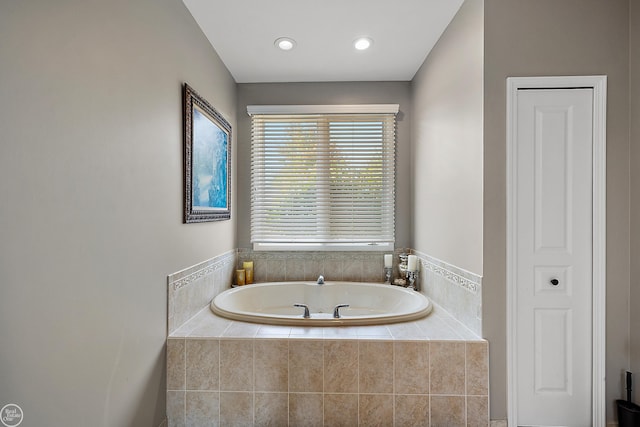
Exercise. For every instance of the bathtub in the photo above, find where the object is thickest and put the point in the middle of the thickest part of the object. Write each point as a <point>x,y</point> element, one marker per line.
<point>273,303</point>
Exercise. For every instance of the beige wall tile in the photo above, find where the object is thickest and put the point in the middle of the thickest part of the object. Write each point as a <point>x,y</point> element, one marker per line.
<point>375,410</point>
<point>236,365</point>
<point>175,364</point>
<point>447,367</point>
<point>341,366</point>
<point>340,332</point>
<point>352,270</point>
<point>209,325</point>
<point>411,410</point>
<point>340,410</point>
<point>477,365</point>
<point>202,408</point>
<point>305,366</point>
<point>236,409</point>
<point>274,331</point>
<point>175,408</point>
<point>375,367</point>
<point>411,367</point>
<point>276,270</point>
<point>271,409</point>
<point>295,269</point>
<point>259,270</point>
<point>477,411</point>
<point>333,269</point>
<point>448,411</point>
<point>375,331</point>
<point>313,267</point>
<point>406,331</point>
<point>373,270</point>
<point>271,365</point>
<point>241,330</point>
<point>203,362</point>
<point>305,410</point>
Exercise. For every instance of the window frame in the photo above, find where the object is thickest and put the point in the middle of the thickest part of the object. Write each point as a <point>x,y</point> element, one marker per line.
<point>328,111</point>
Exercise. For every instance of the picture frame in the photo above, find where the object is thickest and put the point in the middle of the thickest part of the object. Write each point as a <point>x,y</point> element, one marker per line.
<point>207,160</point>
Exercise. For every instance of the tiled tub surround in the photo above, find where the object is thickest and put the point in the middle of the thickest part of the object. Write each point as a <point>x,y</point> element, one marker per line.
<point>193,288</point>
<point>433,371</point>
<point>458,291</point>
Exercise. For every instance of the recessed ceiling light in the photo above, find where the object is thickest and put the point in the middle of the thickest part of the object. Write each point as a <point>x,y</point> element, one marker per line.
<point>363,43</point>
<point>285,43</point>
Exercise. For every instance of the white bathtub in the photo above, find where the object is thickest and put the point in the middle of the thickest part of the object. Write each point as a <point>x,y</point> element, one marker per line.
<point>273,303</point>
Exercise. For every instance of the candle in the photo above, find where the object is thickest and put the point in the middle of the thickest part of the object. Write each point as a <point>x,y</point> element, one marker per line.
<point>412,264</point>
<point>248,266</point>
<point>388,261</point>
<point>240,277</point>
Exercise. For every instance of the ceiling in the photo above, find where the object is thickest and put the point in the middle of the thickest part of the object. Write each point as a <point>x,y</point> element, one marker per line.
<point>243,33</point>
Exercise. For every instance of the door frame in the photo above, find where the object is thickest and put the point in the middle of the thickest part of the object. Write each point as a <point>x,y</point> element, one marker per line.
<point>599,86</point>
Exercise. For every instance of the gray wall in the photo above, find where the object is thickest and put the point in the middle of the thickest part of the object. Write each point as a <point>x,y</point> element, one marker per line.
<point>634,92</point>
<point>91,211</point>
<point>325,93</point>
<point>447,144</point>
<point>547,37</point>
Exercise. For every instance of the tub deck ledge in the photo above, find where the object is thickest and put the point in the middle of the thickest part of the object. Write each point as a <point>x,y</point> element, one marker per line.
<point>437,326</point>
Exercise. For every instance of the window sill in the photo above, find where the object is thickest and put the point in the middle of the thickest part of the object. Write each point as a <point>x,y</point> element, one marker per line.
<point>319,247</point>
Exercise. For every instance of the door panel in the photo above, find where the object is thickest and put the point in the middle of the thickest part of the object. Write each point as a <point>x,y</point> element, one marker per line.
<point>554,256</point>
<point>552,351</point>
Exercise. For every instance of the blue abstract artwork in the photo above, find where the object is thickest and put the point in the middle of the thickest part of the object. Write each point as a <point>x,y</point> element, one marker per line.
<point>209,173</point>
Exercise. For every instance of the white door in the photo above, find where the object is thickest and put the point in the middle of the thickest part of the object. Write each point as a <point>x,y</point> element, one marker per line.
<point>553,257</point>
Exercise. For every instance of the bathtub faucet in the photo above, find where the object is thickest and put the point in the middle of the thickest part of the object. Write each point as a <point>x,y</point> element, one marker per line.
<point>320,280</point>
<point>306,314</point>
<point>336,310</point>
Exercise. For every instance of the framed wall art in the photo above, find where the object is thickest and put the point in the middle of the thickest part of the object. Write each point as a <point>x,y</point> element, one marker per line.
<point>207,161</point>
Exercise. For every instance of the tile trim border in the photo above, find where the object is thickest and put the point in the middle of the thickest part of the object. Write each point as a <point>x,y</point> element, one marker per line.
<point>462,278</point>
<point>201,270</point>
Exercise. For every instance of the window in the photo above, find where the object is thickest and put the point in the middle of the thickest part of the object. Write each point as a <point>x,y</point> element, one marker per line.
<point>323,177</point>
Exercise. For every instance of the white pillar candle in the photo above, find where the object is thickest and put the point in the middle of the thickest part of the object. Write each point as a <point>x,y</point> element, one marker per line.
<point>412,264</point>
<point>388,260</point>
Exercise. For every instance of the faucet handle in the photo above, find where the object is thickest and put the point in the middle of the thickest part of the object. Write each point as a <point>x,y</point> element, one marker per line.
<point>336,310</point>
<point>306,314</point>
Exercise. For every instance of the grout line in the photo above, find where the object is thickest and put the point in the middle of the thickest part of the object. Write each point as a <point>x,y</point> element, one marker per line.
<point>288,382</point>
<point>430,379</point>
<point>324,345</point>
<point>184,356</point>
<point>253,380</point>
<point>219,384</point>
<point>358,373</point>
<point>466,384</point>
<point>393,395</point>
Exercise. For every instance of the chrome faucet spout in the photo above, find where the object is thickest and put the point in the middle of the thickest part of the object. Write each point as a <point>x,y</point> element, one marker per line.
<point>336,310</point>
<point>320,280</point>
<point>306,314</point>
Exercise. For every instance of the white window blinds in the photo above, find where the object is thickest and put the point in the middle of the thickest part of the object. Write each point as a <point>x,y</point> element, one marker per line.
<point>323,180</point>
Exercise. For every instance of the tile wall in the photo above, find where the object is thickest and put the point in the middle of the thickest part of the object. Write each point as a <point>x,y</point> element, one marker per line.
<point>337,266</point>
<point>309,382</point>
<point>191,289</point>
<point>458,291</point>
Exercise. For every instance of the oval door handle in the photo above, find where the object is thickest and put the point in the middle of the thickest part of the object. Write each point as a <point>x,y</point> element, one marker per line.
<point>554,282</point>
